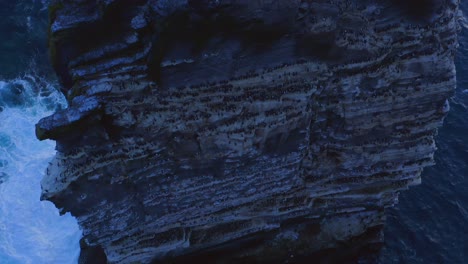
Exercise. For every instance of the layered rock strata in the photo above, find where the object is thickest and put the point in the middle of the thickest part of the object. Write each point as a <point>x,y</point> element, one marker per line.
<point>265,129</point>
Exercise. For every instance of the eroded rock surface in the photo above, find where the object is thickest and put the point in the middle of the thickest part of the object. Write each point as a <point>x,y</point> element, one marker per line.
<point>263,129</point>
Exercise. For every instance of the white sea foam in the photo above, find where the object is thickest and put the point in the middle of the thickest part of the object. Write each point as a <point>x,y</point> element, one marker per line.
<point>31,231</point>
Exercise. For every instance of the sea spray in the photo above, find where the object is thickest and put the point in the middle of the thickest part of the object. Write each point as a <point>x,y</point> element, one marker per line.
<point>31,231</point>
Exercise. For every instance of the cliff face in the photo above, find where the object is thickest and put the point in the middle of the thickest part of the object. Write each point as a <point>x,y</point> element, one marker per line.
<point>261,129</point>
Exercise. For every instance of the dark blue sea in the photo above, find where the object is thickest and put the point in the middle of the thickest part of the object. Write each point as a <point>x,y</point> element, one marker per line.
<point>429,225</point>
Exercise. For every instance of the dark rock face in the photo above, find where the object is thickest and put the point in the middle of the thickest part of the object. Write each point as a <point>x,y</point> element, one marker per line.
<point>255,129</point>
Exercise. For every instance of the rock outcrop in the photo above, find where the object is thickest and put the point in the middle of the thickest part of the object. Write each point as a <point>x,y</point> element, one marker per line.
<point>259,129</point>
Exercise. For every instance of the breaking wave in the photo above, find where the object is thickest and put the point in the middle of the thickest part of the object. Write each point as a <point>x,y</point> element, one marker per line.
<point>31,231</point>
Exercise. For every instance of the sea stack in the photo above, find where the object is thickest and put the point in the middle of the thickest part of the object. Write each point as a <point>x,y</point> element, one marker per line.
<point>243,131</point>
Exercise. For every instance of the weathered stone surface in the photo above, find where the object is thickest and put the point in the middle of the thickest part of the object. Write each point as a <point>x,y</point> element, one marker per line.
<point>286,127</point>
<point>71,119</point>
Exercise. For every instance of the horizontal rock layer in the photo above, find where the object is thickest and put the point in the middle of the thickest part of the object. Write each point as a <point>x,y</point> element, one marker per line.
<point>286,127</point>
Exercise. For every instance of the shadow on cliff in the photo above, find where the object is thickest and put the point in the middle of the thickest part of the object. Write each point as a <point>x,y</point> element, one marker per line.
<point>91,255</point>
<point>418,10</point>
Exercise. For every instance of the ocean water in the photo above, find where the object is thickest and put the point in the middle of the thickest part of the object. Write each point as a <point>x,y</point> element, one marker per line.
<point>429,225</point>
<point>31,231</point>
